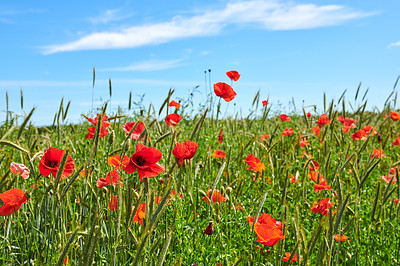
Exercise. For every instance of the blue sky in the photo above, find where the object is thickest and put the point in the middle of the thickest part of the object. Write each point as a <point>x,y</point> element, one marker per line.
<point>285,49</point>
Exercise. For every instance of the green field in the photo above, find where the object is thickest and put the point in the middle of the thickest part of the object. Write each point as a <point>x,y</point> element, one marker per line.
<point>320,174</point>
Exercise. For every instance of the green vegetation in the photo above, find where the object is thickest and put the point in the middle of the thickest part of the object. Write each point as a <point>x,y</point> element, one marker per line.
<point>71,217</point>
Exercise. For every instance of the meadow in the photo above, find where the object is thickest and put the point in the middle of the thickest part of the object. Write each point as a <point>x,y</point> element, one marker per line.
<point>179,184</point>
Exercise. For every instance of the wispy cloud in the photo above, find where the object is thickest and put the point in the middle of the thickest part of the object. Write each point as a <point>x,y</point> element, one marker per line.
<point>150,65</point>
<point>266,14</point>
<point>394,44</point>
<point>12,12</point>
<point>109,16</point>
<point>43,83</point>
<point>6,13</point>
<point>17,84</point>
<point>6,21</point>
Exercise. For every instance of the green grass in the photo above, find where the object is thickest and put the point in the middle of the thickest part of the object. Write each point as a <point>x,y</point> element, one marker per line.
<point>69,217</point>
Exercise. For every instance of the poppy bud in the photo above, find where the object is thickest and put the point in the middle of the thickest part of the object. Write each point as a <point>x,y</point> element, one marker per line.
<point>209,230</point>
<point>379,138</point>
<point>228,190</point>
<point>128,145</point>
<point>111,137</point>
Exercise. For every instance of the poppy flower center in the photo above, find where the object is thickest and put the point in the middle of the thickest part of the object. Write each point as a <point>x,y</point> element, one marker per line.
<point>52,164</point>
<point>140,161</point>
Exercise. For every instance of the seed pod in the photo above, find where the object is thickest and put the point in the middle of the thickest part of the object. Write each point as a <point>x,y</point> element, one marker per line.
<point>111,137</point>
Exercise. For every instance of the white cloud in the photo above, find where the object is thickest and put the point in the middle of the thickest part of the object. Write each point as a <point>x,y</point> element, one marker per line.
<point>150,65</point>
<point>267,14</point>
<point>394,44</point>
<point>109,16</point>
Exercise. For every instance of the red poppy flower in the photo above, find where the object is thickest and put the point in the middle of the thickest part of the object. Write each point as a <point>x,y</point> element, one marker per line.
<point>157,199</point>
<point>293,179</point>
<point>287,132</point>
<point>115,161</point>
<point>173,119</point>
<point>144,160</point>
<point>111,178</point>
<point>254,163</point>
<point>216,197</point>
<point>395,116</point>
<point>314,175</point>
<point>284,117</point>
<point>185,150</point>
<point>268,229</point>
<point>317,130</point>
<point>140,214</point>
<point>113,203</point>
<point>394,170</point>
<point>268,234</point>
<point>12,199</point>
<point>350,123</point>
<point>265,218</point>
<point>221,137</point>
<point>308,114</point>
<point>103,132</point>
<point>322,186</point>
<point>224,91</point>
<point>233,75</point>
<point>322,207</point>
<point>264,137</point>
<point>218,154</point>
<point>346,129</point>
<point>304,142</point>
<point>314,165</point>
<point>20,169</point>
<point>264,103</point>
<point>389,177</point>
<point>103,128</point>
<point>103,121</point>
<point>51,161</point>
<point>287,257</point>
<point>209,230</point>
<point>359,135</point>
<point>342,238</point>
<point>378,153</point>
<point>323,120</point>
<point>127,127</point>
<point>347,122</point>
<point>370,130</point>
<point>174,104</point>
<point>396,142</point>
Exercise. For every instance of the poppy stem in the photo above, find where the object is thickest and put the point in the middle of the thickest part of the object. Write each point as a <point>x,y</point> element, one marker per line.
<point>218,111</point>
